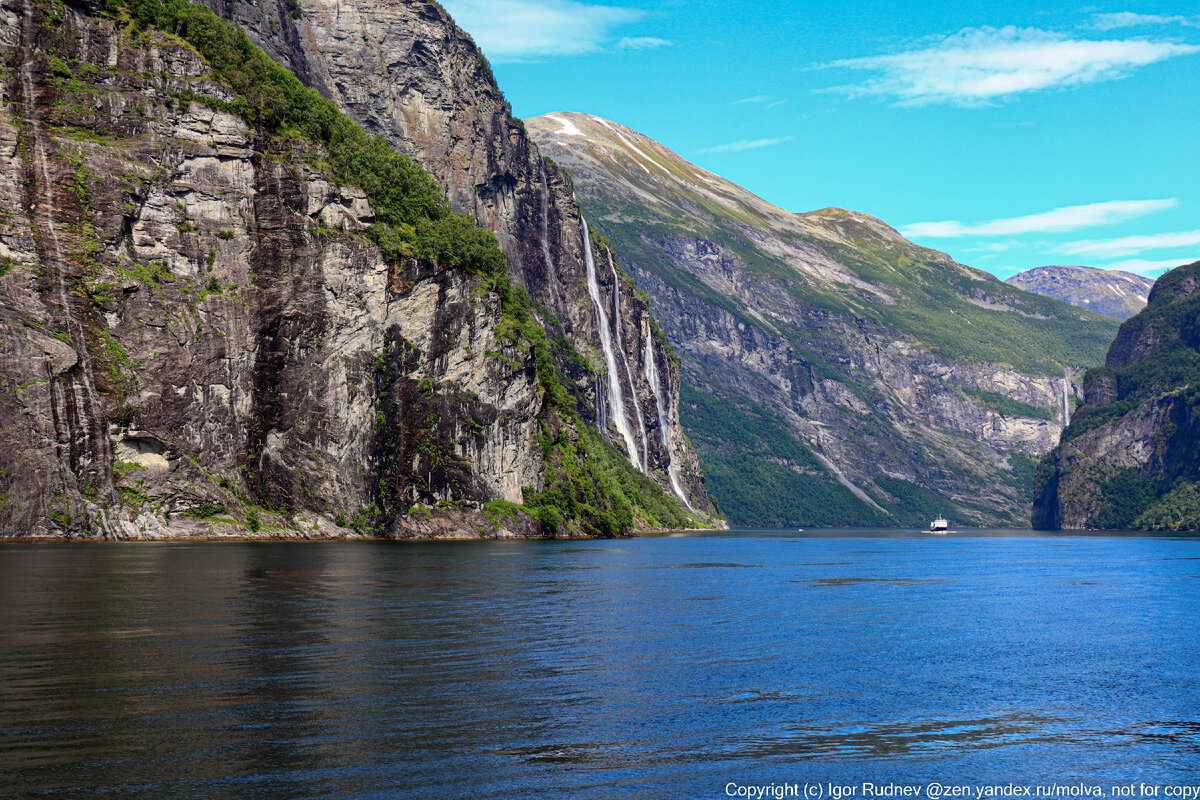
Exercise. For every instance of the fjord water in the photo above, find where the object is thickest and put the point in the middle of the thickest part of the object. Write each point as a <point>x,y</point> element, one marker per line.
<point>643,668</point>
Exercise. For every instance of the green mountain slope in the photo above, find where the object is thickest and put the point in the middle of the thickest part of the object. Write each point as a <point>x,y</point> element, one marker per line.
<point>912,382</point>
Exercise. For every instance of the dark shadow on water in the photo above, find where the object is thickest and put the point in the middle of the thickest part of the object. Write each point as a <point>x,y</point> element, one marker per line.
<point>857,581</point>
<point>894,739</point>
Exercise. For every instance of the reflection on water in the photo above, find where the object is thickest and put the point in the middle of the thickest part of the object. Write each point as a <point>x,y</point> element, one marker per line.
<point>883,740</point>
<point>849,581</point>
<point>649,668</point>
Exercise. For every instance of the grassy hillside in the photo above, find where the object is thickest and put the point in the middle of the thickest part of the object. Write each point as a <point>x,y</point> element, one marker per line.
<point>759,473</point>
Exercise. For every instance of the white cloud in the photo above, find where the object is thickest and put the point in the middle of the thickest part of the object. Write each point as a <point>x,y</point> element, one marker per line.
<point>744,144</point>
<point>758,98</point>
<point>991,247</point>
<point>1059,220</point>
<point>642,43</point>
<point>1131,245</point>
<point>977,66</point>
<point>511,30</point>
<point>1128,19</point>
<point>1144,267</point>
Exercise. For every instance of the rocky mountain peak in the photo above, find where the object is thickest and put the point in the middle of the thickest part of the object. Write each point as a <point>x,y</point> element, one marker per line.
<point>1110,292</point>
<point>836,216</point>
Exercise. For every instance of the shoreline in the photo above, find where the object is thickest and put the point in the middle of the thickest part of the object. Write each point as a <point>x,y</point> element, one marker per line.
<point>311,539</point>
<point>636,534</point>
<point>344,538</point>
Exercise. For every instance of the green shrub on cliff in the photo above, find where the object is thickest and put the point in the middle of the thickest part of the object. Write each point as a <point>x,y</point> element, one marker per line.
<point>1123,498</point>
<point>1178,510</point>
<point>454,239</point>
<point>1007,405</point>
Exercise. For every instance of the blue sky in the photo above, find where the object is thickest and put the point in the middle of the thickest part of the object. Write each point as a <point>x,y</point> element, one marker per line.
<point>1004,133</point>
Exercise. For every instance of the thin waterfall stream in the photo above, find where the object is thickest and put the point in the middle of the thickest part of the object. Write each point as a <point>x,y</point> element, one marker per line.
<point>615,394</point>
<point>38,150</point>
<point>664,424</point>
<point>637,405</point>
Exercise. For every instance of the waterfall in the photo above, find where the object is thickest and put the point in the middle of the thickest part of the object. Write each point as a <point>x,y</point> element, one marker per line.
<point>637,406</point>
<point>615,396</point>
<point>664,428</point>
<point>1066,403</point>
<point>544,226</point>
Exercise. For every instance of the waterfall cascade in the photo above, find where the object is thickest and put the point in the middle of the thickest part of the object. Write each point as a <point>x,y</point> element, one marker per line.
<point>637,405</point>
<point>616,396</point>
<point>664,424</point>
<point>1066,403</point>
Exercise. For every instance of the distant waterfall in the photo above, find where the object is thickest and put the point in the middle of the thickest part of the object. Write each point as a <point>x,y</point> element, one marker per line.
<point>664,427</point>
<point>544,228</point>
<point>615,395</point>
<point>637,406</point>
<point>1066,404</point>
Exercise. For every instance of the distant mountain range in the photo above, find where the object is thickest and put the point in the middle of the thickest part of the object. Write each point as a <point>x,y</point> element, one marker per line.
<point>834,373</point>
<point>1108,292</point>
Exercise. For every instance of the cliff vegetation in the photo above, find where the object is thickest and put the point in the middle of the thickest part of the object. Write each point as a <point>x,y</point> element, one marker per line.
<point>1128,459</point>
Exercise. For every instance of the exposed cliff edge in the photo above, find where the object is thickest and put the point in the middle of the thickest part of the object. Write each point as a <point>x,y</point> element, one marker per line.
<point>226,312</point>
<point>404,70</point>
<point>1110,292</point>
<point>1129,459</point>
<point>835,373</point>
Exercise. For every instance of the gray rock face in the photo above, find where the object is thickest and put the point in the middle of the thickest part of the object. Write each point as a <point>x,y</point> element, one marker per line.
<point>194,340</point>
<point>880,358</point>
<point>405,71</point>
<point>1109,292</point>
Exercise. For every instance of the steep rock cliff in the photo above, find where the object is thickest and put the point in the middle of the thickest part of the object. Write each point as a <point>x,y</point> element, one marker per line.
<point>1106,291</point>
<point>200,335</point>
<point>1130,456</point>
<point>835,373</point>
<point>405,71</point>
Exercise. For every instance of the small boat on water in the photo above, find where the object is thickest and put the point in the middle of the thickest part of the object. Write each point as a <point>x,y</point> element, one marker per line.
<point>939,525</point>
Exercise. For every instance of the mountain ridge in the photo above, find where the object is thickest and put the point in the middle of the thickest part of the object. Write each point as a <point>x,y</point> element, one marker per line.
<point>1112,293</point>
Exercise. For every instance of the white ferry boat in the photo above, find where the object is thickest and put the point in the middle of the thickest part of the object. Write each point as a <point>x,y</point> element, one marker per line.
<point>939,525</point>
